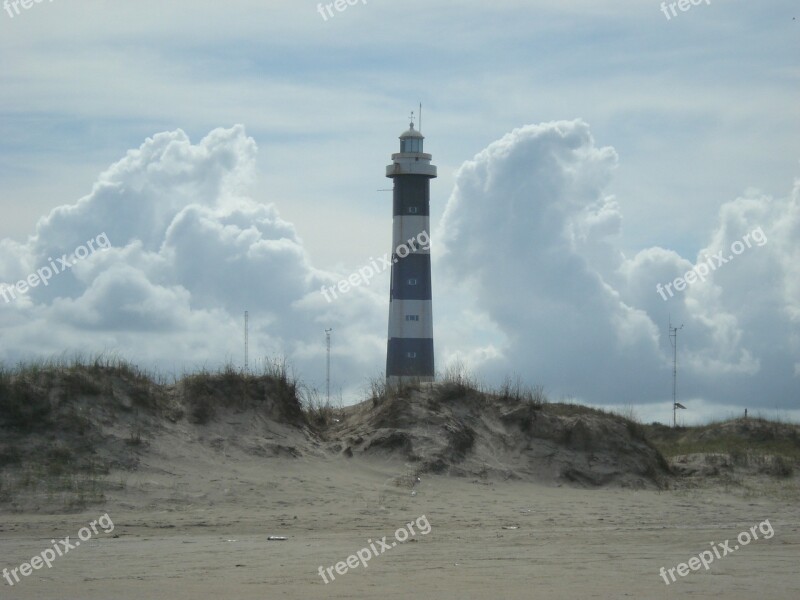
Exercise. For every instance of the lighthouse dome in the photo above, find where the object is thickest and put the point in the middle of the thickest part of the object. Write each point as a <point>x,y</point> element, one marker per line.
<point>411,133</point>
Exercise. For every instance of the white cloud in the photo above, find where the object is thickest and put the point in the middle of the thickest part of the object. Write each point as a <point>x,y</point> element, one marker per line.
<point>532,239</point>
<point>529,278</point>
<point>190,253</point>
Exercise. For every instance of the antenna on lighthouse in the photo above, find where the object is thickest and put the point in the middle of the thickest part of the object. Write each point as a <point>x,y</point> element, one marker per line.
<point>420,117</point>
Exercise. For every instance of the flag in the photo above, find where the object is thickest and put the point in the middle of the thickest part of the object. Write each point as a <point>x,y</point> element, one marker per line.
<point>679,405</point>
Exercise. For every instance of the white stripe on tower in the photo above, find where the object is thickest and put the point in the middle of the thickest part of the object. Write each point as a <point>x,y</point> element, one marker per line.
<point>409,228</point>
<point>409,352</point>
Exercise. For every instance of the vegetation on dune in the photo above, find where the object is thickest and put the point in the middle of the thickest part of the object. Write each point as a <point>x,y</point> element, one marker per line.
<point>66,423</point>
<point>274,390</point>
<point>770,445</point>
<point>456,383</point>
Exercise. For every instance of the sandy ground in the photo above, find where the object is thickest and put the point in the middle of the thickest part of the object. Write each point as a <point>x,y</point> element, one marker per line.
<point>206,537</point>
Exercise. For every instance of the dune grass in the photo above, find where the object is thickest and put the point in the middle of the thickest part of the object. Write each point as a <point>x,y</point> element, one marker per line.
<point>59,416</point>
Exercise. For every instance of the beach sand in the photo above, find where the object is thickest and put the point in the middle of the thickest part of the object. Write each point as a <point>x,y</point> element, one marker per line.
<point>200,528</point>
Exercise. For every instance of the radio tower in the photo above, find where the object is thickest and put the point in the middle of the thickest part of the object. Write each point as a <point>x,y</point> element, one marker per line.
<point>328,365</point>
<point>246,340</point>
<point>673,339</point>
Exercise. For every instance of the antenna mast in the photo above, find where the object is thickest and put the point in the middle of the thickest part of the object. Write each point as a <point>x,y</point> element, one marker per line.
<point>328,365</point>
<point>673,339</point>
<point>246,340</point>
<point>420,117</point>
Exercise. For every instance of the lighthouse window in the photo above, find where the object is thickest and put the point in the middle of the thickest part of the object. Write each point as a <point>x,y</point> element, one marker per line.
<point>411,145</point>
<point>412,210</point>
<point>412,317</point>
<point>411,355</point>
<point>412,281</point>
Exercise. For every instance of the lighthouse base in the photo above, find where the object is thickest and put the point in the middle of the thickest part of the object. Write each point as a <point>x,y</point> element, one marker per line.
<point>394,380</point>
<point>410,359</point>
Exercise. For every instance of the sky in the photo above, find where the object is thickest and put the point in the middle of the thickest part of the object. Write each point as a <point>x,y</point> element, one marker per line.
<point>605,168</point>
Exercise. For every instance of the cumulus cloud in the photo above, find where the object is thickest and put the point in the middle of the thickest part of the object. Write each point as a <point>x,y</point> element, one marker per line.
<point>529,278</point>
<point>531,237</point>
<point>189,252</point>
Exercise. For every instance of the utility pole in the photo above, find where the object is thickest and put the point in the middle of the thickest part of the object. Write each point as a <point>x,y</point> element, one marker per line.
<point>328,365</point>
<point>673,339</point>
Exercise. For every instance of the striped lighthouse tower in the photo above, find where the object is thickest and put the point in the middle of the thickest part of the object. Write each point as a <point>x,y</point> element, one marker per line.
<point>409,352</point>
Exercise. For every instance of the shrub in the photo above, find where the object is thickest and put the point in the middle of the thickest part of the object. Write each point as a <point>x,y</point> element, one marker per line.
<point>318,412</point>
<point>455,383</point>
<point>779,466</point>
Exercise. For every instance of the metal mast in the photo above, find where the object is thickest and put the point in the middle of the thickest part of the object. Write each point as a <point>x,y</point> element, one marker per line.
<point>246,340</point>
<point>328,365</point>
<point>673,339</point>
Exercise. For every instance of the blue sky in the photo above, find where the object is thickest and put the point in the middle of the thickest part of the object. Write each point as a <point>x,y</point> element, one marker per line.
<point>700,110</point>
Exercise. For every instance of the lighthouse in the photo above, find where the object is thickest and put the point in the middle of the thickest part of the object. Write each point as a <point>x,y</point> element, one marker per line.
<point>409,351</point>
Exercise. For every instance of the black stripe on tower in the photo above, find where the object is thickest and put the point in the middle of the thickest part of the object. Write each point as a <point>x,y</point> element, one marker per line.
<point>412,196</point>
<point>410,357</point>
<point>411,278</point>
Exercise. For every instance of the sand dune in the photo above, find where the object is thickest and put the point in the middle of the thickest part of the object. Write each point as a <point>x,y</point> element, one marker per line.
<point>524,499</point>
